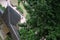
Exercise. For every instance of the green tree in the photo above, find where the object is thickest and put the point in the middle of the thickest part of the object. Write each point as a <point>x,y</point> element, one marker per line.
<point>44,19</point>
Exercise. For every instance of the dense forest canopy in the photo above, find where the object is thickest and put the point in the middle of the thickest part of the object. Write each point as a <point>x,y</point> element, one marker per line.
<point>44,20</point>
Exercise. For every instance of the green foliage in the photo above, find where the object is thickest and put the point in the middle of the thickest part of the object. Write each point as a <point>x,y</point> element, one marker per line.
<point>8,38</point>
<point>19,8</point>
<point>0,38</point>
<point>2,8</point>
<point>19,2</point>
<point>27,34</point>
<point>44,16</point>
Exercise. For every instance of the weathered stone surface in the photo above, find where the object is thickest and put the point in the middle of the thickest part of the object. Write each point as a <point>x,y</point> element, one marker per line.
<point>14,2</point>
<point>3,30</point>
<point>3,3</point>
